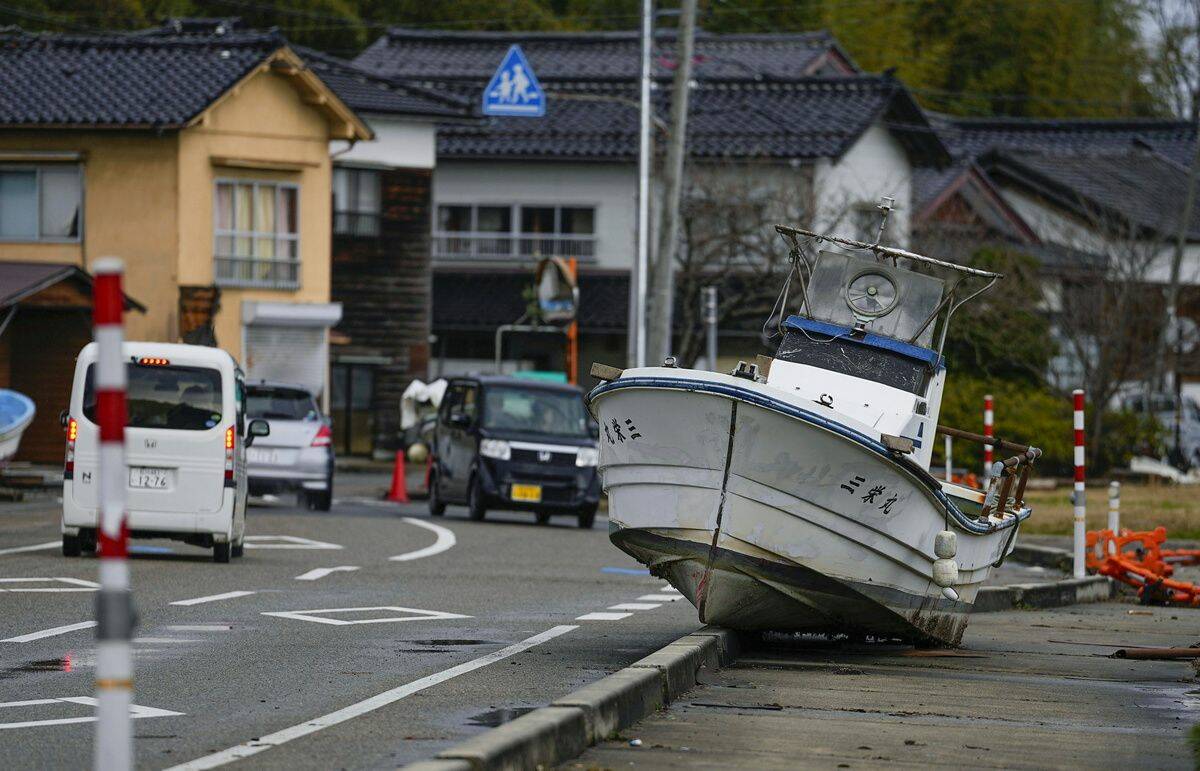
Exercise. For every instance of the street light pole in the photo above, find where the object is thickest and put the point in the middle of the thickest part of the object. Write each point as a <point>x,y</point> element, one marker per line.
<point>644,148</point>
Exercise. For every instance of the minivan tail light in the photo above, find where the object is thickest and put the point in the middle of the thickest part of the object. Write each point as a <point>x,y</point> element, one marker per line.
<point>230,441</point>
<point>324,437</point>
<point>69,460</point>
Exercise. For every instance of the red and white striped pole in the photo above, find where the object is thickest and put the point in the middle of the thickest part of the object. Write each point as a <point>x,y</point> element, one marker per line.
<point>1080,501</point>
<point>988,421</point>
<point>114,603</point>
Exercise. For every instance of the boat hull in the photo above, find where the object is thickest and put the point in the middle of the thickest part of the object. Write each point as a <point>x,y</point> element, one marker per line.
<point>767,515</point>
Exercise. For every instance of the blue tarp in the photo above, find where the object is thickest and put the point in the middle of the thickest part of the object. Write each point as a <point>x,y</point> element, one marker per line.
<point>925,355</point>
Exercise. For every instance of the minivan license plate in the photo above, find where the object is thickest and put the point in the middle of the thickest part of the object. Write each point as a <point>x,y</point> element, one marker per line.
<point>149,478</point>
<point>529,493</point>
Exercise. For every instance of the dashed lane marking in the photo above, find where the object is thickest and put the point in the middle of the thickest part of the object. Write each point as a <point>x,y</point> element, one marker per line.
<point>660,597</point>
<point>316,573</point>
<point>212,598</point>
<point>286,542</point>
<point>669,589</point>
<point>265,743</point>
<point>445,541</point>
<point>136,711</point>
<point>636,606</point>
<point>603,616</point>
<point>50,632</point>
<point>34,547</point>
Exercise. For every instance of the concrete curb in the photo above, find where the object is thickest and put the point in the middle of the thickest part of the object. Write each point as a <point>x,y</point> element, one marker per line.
<point>1049,594</point>
<point>571,724</point>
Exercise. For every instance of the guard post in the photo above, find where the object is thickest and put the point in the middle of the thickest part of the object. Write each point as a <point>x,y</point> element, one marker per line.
<point>113,750</point>
<point>1114,508</point>
<point>988,431</point>
<point>1080,499</point>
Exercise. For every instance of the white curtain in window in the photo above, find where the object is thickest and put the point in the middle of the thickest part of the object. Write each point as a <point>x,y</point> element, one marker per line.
<point>60,201</point>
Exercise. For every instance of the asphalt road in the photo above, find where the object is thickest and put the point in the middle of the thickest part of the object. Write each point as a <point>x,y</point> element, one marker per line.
<point>490,623</point>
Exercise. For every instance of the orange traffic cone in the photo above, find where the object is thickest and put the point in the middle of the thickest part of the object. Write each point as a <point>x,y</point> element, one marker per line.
<point>399,491</point>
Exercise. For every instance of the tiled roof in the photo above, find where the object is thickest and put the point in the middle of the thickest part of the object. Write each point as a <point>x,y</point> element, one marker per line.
<point>599,56</point>
<point>805,118</point>
<point>972,137</point>
<point>19,280</point>
<point>1137,186</point>
<point>368,93</point>
<point>121,80</point>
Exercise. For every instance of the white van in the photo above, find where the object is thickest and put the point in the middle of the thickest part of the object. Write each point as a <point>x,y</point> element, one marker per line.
<point>185,445</point>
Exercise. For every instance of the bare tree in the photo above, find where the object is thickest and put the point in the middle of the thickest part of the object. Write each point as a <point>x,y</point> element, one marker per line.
<point>1171,28</point>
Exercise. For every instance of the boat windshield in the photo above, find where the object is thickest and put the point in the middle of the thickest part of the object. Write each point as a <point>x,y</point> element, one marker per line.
<point>535,410</point>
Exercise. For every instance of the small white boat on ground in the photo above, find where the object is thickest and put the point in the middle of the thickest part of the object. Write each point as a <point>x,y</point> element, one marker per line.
<point>794,494</point>
<point>16,413</point>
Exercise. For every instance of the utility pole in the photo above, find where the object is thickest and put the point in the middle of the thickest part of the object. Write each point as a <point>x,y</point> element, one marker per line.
<point>664,263</point>
<point>709,307</point>
<point>644,152</point>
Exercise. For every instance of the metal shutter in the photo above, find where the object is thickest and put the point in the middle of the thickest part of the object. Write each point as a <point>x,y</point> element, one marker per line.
<point>287,354</point>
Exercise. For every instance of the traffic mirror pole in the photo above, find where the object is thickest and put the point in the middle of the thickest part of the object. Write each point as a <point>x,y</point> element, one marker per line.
<point>114,603</point>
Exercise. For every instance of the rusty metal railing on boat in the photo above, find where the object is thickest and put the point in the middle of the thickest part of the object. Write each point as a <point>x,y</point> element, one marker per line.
<point>999,494</point>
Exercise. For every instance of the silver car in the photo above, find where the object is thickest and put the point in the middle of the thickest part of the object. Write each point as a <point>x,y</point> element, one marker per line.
<point>298,454</point>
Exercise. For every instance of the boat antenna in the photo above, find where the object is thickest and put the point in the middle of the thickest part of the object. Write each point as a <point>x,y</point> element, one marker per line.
<point>886,204</point>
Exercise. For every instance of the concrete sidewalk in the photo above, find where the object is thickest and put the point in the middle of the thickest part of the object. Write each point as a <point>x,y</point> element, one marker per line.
<point>1027,690</point>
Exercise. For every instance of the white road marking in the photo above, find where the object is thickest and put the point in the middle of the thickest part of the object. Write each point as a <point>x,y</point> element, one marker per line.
<point>445,541</point>
<point>603,616</point>
<point>162,640</point>
<point>367,705</point>
<point>35,547</point>
<point>212,598</point>
<point>75,584</point>
<point>669,589</point>
<point>135,711</point>
<point>200,628</point>
<point>660,597</point>
<point>286,542</point>
<point>51,632</point>
<point>316,573</point>
<point>635,606</point>
<point>412,614</point>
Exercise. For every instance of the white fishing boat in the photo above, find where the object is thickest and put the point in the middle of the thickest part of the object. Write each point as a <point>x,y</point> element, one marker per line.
<point>16,413</point>
<point>795,493</point>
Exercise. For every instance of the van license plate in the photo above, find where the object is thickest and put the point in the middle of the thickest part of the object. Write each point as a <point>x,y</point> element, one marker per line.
<point>149,478</point>
<point>528,493</point>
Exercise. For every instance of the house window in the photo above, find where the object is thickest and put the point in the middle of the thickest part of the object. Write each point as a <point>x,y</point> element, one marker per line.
<point>257,241</point>
<point>356,202</point>
<point>41,203</point>
<point>465,231</point>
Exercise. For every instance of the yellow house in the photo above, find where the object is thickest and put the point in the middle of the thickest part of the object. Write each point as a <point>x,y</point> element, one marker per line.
<point>203,161</point>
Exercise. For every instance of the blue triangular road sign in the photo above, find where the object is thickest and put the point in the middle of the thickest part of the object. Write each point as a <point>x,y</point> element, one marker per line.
<point>514,89</point>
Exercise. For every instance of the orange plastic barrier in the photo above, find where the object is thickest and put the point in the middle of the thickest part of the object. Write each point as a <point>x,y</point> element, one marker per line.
<point>1138,559</point>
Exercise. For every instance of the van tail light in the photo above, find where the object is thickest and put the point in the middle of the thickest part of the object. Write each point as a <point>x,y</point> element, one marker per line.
<point>69,460</point>
<point>324,437</point>
<point>230,441</point>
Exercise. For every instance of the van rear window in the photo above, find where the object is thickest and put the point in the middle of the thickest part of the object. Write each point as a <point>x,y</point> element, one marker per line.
<point>171,397</point>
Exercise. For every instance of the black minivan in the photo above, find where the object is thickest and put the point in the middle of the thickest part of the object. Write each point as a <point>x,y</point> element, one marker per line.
<point>512,443</point>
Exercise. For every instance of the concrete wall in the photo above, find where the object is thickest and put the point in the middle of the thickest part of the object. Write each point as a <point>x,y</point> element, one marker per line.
<point>399,143</point>
<point>611,188</point>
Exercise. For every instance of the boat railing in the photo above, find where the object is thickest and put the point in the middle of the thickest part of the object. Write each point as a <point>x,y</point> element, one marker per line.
<point>999,496</point>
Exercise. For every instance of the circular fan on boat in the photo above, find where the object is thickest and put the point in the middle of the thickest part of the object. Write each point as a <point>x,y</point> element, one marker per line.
<point>871,294</point>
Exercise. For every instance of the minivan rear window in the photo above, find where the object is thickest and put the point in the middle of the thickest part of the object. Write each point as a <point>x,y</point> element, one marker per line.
<point>170,397</point>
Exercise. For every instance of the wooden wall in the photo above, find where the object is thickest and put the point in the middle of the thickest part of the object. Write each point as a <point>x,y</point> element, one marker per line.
<point>43,345</point>
<point>383,284</point>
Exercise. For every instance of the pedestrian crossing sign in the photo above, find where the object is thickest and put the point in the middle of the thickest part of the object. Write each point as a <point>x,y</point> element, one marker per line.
<point>514,89</point>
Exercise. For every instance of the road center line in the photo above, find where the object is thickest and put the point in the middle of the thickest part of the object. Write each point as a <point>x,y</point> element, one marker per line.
<point>367,705</point>
<point>660,597</point>
<point>212,598</point>
<point>51,632</point>
<point>35,547</point>
<point>316,573</point>
<point>445,541</point>
<point>636,606</point>
<point>603,616</point>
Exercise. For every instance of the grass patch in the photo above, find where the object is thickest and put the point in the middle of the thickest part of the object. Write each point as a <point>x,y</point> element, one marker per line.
<point>1143,507</point>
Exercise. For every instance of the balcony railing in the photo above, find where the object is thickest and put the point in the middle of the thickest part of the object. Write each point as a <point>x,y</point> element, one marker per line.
<point>265,272</point>
<point>503,246</point>
<point>356,224</point>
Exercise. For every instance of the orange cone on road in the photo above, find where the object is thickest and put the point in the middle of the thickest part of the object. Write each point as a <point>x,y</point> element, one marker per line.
<point>399,491</point>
